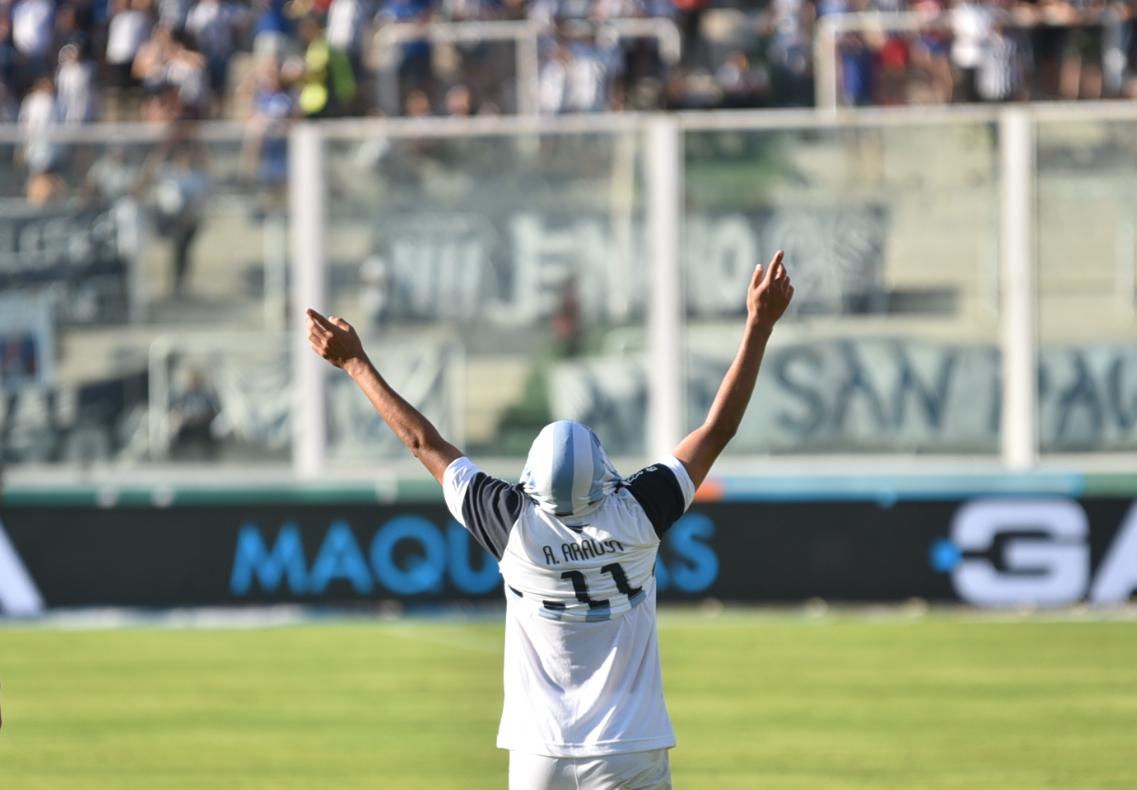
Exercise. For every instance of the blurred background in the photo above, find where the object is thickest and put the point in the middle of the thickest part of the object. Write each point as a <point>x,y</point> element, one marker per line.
<point>550,209</point>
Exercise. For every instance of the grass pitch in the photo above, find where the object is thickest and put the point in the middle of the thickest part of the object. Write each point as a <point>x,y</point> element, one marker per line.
<point>758,701</point>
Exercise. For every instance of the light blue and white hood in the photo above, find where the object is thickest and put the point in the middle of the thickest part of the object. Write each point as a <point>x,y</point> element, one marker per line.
<point>567,472</point>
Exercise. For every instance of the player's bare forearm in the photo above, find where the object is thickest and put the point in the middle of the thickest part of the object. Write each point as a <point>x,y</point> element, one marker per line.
<point>767,297</point>
<point>699,450</point>
<point>737,386</point>
<point>408,423</point>
<point>336,341</point>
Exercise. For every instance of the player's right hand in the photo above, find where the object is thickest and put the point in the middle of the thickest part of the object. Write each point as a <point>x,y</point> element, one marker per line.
<point>335,340</point>
<point>769,293</point>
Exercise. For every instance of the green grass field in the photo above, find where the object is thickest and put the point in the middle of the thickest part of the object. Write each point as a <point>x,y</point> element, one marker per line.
<point>758,700</point>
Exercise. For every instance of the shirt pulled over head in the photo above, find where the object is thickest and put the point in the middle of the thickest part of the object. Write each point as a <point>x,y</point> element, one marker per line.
<point>567,473</point>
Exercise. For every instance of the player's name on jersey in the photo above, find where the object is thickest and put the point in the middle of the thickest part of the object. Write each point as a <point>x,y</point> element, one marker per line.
<point>586,549</point>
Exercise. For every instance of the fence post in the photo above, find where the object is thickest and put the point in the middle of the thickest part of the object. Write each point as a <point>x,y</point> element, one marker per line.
<point>1019,436</point>
<point>664,174</point>
<point>528,70</point>
<point>306,202</point>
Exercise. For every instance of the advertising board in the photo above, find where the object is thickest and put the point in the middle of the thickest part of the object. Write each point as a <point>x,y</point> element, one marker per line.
<point>985,551</point>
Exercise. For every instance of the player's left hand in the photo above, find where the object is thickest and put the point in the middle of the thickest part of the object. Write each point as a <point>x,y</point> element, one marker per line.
<point>769,294</point>
<point>335,340</point>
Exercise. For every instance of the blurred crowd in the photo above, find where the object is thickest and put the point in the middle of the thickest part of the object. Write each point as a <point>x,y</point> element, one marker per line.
<point>76,61</point>
<point>989,51</point>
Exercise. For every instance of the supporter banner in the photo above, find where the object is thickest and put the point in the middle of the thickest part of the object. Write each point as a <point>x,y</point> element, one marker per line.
<point>879,395</point>
<point>79,257</point>
<point>1047,551</point>
<point>515,269</point>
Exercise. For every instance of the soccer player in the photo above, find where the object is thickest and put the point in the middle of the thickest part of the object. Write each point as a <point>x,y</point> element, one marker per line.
<point>577,545</point>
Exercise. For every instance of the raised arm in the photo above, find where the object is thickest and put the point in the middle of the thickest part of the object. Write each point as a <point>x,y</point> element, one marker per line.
<point>337,342</point>
<point>767,297</point>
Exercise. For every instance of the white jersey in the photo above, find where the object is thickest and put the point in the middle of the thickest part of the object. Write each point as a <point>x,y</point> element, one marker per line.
<point>582,675</point>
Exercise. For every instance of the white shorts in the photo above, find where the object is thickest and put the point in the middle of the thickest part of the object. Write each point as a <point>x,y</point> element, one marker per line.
<point>627,771</point>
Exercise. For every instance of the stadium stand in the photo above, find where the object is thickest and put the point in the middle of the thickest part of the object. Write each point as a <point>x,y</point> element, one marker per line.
<point>78,61</point>
<point>158,251</point>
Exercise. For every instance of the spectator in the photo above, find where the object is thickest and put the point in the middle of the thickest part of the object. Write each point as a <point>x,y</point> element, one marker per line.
<point>345,32</point>
<point>1127,51</point>
<point>32,25</point>
<point>462,10</point>
<point>857,70</point>
<point>173,14</point>
<point>790,53</point>
<point>892,59</point>
<point>690,21</point>
<point>75,81</point>
<point>188,72</point>
<point>414,71</point>
<point>418,105</point>
<point>38,112</point>
<point>552,86</point>
<point>194,411</point>
<point>998,77</point>
<point>615,9</point>
<point>41,155</point>
<point>8,107</point>
<point>39,116</point>
<point>972,21</point>
<point>19,361</point>
<point>272,37</point>
<point>677,95</point>
<point>9,67</point>
<point>265,151</point>
<point>214,25</point>
<point>314,98</point>
<point>173,77</point>
<point>459,102</point>
<point>568,329</point>
<point>1081,73</point>
<point>574,79</point>
<point>596,65</point>
<point>176,178</point>
<point>111,178</point>
<point>932,55</point>
<point>741,84</point>
<point>328,87</point>
<point>128,30</point>
<point>72,29</point>
<point>375,284</point>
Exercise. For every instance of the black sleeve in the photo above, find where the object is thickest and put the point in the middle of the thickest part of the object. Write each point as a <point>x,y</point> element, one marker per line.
<point>659,494</point>
<point>490,509</point>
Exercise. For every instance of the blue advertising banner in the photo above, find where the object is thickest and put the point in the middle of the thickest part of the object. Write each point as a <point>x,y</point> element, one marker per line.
<point>1038,550</point>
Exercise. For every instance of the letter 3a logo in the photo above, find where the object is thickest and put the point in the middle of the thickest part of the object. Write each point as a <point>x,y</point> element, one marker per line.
<point>1017,551</point>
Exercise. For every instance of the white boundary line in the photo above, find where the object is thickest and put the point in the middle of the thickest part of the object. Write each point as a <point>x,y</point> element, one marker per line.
<point>416,626</point>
